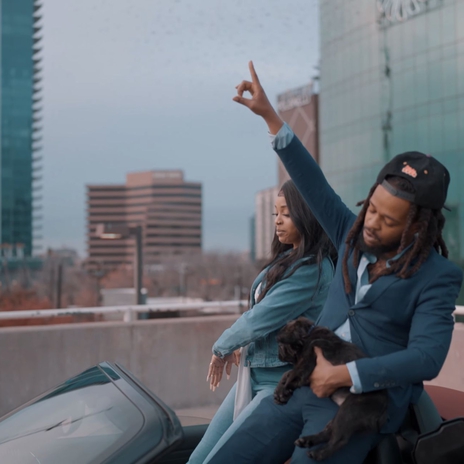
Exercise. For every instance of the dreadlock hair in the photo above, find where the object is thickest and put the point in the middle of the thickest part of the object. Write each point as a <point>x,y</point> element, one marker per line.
<point>429,224</point>
<point>314,242</point>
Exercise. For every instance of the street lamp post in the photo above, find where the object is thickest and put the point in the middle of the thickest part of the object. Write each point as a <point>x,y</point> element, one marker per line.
<point>137,231</point>
<point>108,231</point>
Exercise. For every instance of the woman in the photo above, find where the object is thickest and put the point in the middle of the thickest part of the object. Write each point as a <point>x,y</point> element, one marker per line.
<point>294,283</point>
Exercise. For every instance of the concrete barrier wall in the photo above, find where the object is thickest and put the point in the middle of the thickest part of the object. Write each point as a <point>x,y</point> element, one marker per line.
<point>170,356</point>
<point>452,373</point>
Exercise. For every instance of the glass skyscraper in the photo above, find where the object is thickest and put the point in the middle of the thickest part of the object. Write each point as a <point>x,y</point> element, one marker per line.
<point>19,123</point>
<point>392,80</point>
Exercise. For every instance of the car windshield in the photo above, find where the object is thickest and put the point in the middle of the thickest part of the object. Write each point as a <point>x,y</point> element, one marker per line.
<point>85,418</point>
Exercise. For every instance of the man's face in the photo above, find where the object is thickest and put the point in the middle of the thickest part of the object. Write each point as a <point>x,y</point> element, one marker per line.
<point>385,221</point>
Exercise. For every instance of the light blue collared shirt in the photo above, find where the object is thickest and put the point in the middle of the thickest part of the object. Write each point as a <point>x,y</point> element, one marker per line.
<point>344,331</point>
<point>280,141</point>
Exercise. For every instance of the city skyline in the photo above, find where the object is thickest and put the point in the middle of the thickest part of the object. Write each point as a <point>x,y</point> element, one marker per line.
<point>150,87</point>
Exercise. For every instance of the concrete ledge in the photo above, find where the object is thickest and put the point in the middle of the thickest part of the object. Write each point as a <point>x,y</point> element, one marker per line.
<point>452,373</point>
<point>170,356</point>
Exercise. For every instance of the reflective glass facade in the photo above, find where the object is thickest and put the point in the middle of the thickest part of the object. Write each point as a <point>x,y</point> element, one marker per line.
<point>18,116</point>
<point>390,86</point>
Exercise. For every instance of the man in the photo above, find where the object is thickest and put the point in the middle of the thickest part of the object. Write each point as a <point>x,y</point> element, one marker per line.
<point>393,295</point>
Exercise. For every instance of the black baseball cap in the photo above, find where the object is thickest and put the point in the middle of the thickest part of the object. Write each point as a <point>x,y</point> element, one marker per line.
<point>428,176</point>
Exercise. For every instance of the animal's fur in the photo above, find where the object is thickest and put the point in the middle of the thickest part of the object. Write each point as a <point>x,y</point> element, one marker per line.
<point>357,413</point>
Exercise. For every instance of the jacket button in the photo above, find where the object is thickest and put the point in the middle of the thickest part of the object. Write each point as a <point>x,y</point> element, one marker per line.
<point>376,385</point>
<point>350,312</point>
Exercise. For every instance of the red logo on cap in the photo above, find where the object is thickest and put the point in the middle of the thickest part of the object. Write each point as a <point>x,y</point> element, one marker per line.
<point>409,171</point>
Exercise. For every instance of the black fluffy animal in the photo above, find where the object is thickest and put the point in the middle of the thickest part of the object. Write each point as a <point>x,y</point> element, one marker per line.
<point>357,413</point>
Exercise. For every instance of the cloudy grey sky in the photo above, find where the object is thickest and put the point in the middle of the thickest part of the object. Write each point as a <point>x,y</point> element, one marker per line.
<point>135,85</point>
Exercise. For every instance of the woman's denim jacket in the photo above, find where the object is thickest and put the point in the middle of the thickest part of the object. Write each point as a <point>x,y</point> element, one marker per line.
<point>300,294</point>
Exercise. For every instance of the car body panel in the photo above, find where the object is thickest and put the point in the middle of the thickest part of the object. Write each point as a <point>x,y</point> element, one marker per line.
<point>101,416</point>
<point>105,415</point>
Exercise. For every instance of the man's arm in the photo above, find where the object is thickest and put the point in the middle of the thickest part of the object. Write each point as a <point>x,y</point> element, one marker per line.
<point>328,208</point>
<point>429,339</point>
<point>326,205</point>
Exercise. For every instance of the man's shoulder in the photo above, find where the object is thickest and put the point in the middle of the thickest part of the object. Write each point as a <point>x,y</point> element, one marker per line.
<point>438,272</point>
<point>439,265</point>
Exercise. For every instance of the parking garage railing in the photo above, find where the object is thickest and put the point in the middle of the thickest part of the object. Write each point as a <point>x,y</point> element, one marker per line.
<point>129,313</point>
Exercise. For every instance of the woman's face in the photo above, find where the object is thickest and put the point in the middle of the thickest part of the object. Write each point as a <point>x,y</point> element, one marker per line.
<point>286,231</point>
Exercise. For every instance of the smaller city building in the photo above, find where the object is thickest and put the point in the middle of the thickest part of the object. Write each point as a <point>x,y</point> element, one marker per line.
<point>299,109</point>
<point>168,208</point>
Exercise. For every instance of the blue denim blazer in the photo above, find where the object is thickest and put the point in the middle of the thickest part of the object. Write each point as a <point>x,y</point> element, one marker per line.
<point>300,294</point>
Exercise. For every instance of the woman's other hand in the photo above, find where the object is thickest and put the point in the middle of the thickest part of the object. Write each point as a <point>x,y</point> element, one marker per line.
<point>237,355</point>
<point>216,368</point>
<point>258,103</point>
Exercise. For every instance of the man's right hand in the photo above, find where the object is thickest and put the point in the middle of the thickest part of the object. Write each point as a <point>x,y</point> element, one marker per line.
<point>258,103</point>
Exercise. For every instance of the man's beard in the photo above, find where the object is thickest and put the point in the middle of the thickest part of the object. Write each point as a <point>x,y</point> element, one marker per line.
<point>379,250</point>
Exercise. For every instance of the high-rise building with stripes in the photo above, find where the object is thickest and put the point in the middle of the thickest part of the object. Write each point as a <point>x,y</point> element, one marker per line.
<point>19,126</point>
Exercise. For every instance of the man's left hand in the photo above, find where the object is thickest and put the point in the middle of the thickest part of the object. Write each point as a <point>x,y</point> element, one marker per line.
<point>326,378</point>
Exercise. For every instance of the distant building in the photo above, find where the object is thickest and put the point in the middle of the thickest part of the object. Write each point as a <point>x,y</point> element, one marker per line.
<point>19,123</point>
<point>252,238</point>
<point>168,208</point>
<point>264,222</point>
<point>67,256</point>
<point>299,109</point>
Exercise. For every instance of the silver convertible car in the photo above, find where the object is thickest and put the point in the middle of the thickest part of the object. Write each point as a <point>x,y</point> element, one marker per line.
<point>106,416</point>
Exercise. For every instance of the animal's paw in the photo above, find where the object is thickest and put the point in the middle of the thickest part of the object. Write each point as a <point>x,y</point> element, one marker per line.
<point>319,454</point>
<point>282,396</point>
<point>304,442</point>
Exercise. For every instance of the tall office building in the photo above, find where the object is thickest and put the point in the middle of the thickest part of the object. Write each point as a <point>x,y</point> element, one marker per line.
<point>19,124</point>
<point>168,208</point>
<point>392,80</point>
<point>299,109</point>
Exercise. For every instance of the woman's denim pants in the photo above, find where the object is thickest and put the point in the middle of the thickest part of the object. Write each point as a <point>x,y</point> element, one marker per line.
<point>263,383</point>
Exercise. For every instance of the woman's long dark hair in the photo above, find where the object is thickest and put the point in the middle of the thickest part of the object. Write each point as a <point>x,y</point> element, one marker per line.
<point>314,242</point>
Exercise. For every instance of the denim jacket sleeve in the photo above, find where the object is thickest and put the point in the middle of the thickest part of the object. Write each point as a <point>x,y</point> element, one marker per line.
<point>285,301</point>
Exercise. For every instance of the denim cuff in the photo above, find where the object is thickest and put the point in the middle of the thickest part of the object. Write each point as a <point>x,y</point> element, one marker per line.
<point>283,138</point>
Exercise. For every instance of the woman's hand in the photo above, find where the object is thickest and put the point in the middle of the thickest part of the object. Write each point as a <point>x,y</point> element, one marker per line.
<point>216,368</point>
<point>258,103</point>
<point>237,355</point>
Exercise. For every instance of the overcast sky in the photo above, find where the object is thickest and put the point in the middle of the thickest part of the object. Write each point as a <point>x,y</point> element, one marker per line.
<point>133,85</point>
